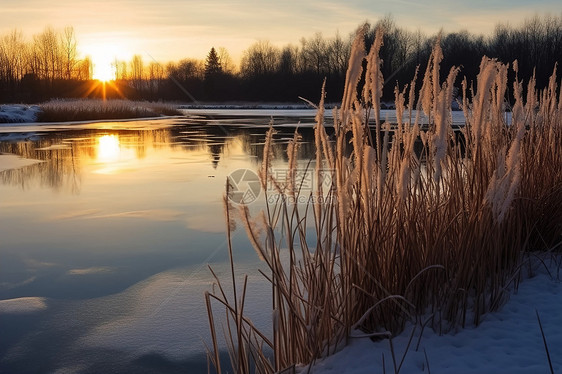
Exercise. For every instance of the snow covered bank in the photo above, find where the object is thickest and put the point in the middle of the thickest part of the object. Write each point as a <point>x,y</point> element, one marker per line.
<point>58,111</point>
<point>22,305</point>
<point>18,113</point>
<point>9,161</point>
<point>163,317</point>
<point>164,314</point>
<point>508,341</point>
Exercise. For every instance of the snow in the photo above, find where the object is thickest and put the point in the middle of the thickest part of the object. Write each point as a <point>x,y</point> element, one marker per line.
<point>18,113</point>
<point>156,321</point>
<point>507,341</point>
<point>9,161</point>
<point>22,305</point>
<point>165,314</point>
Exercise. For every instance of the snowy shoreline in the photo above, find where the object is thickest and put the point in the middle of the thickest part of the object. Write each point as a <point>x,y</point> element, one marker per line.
<point>18,113</point>
<point>507,341</point>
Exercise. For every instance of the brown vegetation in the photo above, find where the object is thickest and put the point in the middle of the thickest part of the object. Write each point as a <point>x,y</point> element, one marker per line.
<point>422,225</point>
<point>86,110</point>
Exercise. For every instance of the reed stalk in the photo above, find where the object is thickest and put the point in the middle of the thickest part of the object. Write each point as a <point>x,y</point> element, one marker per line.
<point>421,218</point>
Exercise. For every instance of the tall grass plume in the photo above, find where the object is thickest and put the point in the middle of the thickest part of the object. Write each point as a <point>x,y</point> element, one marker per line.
<point>420,219</point>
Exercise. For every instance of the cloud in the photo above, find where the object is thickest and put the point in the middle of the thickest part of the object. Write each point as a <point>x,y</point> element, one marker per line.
<point>174,29</point>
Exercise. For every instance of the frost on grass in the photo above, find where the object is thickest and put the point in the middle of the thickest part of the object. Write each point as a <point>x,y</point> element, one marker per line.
<point>507,341</point>
<point>83,110</point>
<point>420,216</point>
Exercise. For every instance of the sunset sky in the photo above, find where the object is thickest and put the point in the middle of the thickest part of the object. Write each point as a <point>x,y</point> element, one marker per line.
<point>173,29</point>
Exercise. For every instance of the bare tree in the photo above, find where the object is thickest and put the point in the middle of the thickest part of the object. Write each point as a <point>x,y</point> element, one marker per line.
<point>85,69</point>
<point>121,69</point>
<point>48,50</point>
<point>315,54</point>
<point>260,58</point>
<point>339,51</point>
<point>288,60</point>
<point>137,72</point>
<point>227,65</point>
<point>13,57</point>
<point>156,75</point>
<point>536,44</point>
<point>69,51</point>
<point>187,69</point>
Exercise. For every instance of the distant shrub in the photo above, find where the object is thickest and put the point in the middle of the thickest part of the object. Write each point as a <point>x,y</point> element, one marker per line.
<point>91,109</point>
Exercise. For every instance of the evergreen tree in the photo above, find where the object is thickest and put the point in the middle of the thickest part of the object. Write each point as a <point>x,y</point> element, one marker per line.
<point>212,65</point>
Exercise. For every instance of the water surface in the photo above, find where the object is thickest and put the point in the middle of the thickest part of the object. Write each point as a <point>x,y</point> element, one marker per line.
<point>106,238</point>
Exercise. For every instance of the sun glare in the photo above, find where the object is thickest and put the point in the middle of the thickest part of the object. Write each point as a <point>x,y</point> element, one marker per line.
<point>104,51</point>
<point>108,148</point>
<point>104,70</point>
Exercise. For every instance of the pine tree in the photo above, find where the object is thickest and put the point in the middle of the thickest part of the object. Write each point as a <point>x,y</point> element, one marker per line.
<point>212,65</point>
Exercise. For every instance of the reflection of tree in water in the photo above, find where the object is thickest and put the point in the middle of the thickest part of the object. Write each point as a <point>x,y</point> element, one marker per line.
<point>60,168</point>
<point>251,141</point>
<point>64,153</point>
<point>215,151</point>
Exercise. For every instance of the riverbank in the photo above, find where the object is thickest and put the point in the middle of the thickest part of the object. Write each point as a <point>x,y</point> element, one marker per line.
<point>84,110</point>
<point>507,341</point>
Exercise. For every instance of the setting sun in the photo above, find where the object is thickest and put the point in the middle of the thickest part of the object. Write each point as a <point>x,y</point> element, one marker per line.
<point>103,56</point>
<point>104,69</point>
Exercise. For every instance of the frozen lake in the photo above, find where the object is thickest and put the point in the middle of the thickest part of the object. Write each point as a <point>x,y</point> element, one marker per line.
<point>106,233</point>
<point>107,230</point>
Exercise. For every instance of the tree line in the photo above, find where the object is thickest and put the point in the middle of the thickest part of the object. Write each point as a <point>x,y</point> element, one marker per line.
<point>49,66</point>
<point>41,64</point>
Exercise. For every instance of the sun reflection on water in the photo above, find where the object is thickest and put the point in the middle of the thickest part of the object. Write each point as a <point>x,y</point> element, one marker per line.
<point>108,149</point>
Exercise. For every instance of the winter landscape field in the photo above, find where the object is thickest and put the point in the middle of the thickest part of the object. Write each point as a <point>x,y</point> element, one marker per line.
<point>384,200</point>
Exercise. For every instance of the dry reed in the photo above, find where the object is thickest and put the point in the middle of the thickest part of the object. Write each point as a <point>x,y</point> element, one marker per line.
<point>417,222</point>
<point>93,109</point>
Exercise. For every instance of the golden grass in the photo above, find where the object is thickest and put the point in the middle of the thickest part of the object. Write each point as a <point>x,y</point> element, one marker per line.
<point>94,109</point>
<point>417,223</point>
